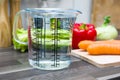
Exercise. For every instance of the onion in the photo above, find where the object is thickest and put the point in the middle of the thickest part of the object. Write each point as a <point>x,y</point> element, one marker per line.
<point>106,31</point>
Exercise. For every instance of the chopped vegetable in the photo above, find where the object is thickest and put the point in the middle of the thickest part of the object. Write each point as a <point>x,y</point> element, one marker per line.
<point>106,31</point>
<point>48,35</point>
<point>62,34</point>
<point>49,43</point>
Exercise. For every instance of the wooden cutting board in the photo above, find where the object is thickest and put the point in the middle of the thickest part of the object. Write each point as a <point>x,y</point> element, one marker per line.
<point>97,60</point>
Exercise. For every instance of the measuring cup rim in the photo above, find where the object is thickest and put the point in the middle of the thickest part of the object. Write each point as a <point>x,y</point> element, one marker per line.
<point>53,10</point>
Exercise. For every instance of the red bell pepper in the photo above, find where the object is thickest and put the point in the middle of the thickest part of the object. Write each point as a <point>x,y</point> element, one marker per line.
<point>81,32</point>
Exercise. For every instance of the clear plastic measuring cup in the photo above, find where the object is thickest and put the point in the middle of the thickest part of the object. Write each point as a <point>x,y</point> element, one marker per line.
<point>49,36</point>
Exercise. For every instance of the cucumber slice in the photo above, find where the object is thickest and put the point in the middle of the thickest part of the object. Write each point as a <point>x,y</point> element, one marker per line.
<point>49,42</point>
<point>62,34</point>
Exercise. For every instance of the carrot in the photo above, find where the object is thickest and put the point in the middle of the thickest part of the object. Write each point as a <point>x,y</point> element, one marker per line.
<point>104,48</point>
<point>84,44</point>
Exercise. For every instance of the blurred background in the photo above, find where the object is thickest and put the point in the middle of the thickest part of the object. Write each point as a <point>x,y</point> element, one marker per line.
<point>101,8</point>
<point>93,10</point>
<point>83,5</point>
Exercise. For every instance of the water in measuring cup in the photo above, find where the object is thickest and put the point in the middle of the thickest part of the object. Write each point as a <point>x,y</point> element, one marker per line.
<point>49,61</point>
<point>50,46</point>
<point>49,64</point>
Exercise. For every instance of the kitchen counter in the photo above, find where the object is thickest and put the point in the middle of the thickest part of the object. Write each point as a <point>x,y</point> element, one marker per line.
<point>15,66</point>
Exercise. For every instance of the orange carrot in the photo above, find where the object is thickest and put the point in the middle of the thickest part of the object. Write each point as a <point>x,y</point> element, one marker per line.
<point>104,48</point>
<point>84,44</point>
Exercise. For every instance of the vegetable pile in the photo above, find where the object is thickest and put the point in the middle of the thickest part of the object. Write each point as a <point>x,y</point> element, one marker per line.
<point>63,38</point>
<point>106,31</point>
<point>80,32</point>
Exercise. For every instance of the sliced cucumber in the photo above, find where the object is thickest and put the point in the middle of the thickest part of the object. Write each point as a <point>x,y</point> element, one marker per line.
<point>61,34</point>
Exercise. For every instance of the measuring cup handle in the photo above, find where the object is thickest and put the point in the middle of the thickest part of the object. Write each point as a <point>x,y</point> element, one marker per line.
<point>15,27</point>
